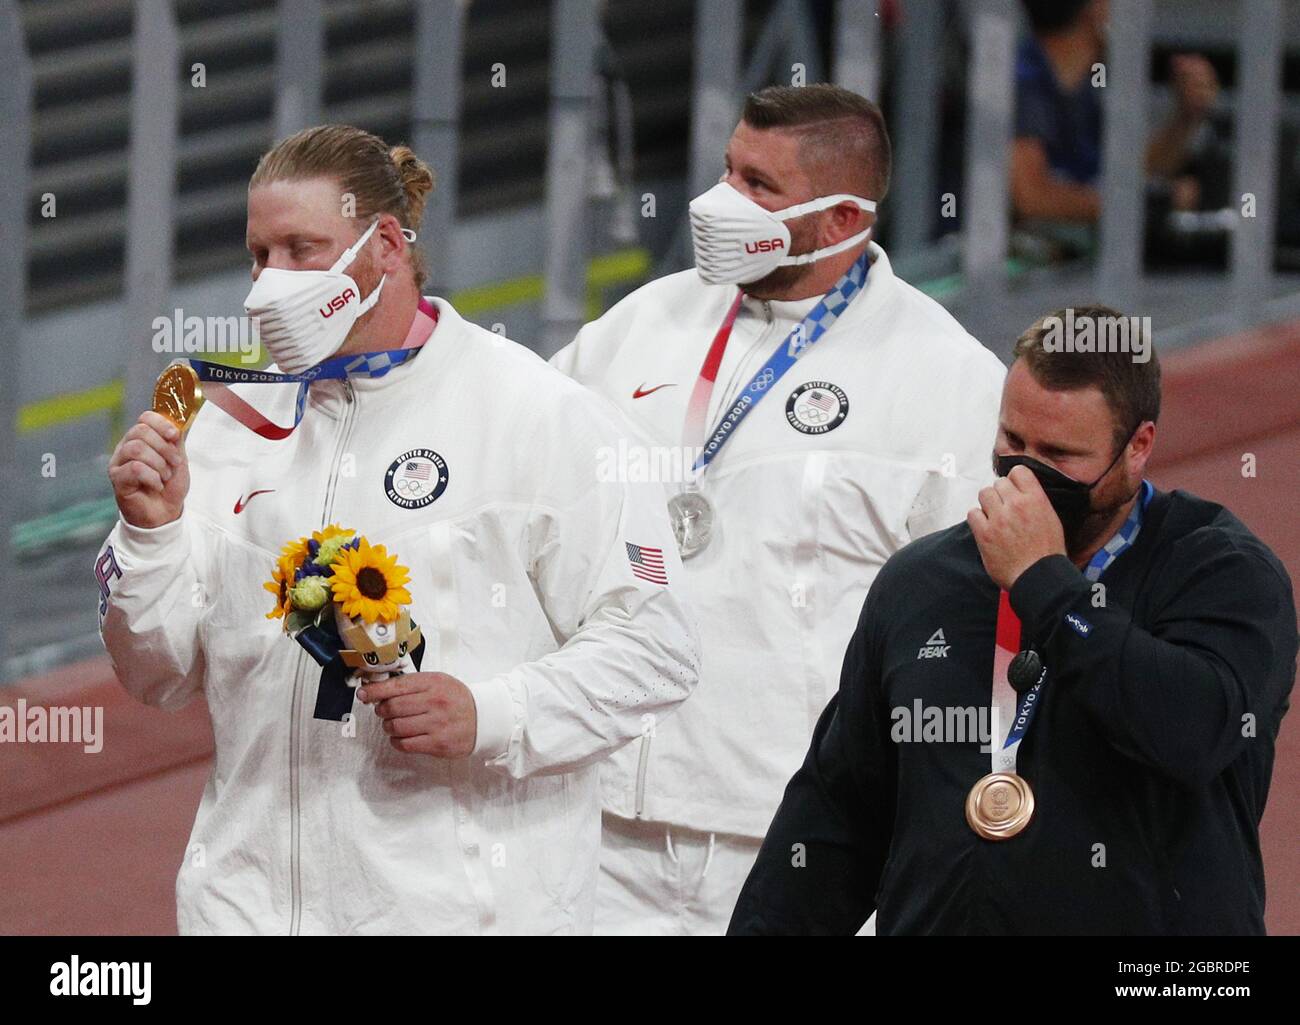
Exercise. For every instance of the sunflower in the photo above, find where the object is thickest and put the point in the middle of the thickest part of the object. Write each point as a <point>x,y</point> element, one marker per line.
<point>293,554</point>
<point>367,582</point>
<point>279,584</point>
<point>333,530</point>
<point>295,550</point>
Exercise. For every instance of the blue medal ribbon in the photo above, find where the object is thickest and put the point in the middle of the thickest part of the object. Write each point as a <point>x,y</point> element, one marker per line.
<point>792,347</point>
<point>1097,565</point>
<point>364,364</point>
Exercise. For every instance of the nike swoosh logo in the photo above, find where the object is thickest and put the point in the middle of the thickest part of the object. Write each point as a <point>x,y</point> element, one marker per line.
<point>240,503</point>
<point>638,394</point>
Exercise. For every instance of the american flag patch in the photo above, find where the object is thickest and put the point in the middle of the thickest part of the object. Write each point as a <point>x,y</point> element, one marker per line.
<point>420,471</point>
<point>647,563</point>
<point>821,400</point>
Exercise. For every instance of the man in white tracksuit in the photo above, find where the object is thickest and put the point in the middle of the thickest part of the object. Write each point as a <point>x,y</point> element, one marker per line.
<point>468,803</point>
<point>831,448</point>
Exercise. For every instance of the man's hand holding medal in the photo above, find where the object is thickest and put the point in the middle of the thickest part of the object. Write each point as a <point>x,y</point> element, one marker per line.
<point>148,470</point>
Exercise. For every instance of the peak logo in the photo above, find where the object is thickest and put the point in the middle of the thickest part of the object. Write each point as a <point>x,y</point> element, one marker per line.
<point>765,245</point>
<point>337,303</point>
<point>935,647</point>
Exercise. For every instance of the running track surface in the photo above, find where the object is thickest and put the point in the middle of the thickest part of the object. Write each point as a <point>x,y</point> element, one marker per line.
<point>91,845</point>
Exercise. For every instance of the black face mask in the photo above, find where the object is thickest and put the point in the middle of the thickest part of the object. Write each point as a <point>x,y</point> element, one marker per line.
<point>1071,499</point>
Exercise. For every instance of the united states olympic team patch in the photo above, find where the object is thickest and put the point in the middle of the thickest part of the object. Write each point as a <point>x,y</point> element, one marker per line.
<point>416,478</point>
<point>816,407</point>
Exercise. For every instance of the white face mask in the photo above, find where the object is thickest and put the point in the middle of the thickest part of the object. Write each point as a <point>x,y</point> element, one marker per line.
<point>738,242</point>
<point>304,316</point>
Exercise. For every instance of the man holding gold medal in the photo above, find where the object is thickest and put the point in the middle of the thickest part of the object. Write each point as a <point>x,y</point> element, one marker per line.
<point>1138,648</point>
<point>441,484</point>
<point>808,413</point>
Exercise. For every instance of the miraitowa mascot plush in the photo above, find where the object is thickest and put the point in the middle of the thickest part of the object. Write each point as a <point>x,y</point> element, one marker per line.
<point>375,651</point>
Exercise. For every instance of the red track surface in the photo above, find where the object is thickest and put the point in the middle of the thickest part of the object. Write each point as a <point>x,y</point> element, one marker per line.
<point>90,844</point>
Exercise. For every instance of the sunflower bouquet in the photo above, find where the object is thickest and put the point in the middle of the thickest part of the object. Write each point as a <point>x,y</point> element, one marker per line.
<point>345,601</point>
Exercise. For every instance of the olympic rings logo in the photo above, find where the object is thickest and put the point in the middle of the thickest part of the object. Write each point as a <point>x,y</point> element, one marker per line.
<point>409,487</point>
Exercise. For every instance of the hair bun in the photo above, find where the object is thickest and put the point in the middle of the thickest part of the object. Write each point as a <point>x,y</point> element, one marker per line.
<point>417,181</point>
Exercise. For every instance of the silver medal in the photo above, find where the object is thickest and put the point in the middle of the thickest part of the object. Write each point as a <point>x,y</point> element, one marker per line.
<point>692,518</point>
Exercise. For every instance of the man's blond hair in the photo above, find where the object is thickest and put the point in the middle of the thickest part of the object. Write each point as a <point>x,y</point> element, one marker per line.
<point>379,178</point>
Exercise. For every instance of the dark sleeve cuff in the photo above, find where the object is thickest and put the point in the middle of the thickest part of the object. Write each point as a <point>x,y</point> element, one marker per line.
<point>1044,592</point>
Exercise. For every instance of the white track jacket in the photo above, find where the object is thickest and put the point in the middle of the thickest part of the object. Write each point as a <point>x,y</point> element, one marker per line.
<point>524,584</point>
<point>809,504</point>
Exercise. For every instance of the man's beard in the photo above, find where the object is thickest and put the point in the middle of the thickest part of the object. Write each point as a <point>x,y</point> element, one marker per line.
<point>779,282</point>
<point>1107,499</point>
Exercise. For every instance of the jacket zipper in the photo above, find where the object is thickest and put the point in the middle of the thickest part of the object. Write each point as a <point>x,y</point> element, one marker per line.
<point>643,763</point>
<point>294,881</point>
<point>295,742</point>
<point>738,378</point>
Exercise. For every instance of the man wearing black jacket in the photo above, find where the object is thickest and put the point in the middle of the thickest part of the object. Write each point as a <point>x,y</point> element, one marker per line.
<point>1122,792</point>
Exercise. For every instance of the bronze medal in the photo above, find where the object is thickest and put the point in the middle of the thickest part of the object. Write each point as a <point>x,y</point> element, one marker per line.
<point>177,394</point>
<point>999,805</point>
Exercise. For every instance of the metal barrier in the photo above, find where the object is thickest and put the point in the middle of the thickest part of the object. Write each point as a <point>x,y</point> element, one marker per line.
<point>1259,48</point>
<point>15,164</point>
<point>1123,174</point>
<point>989,118</point>
<point>573,76</point>
<point>856,55</point>
<point>151,190</point>
<point>435,126</point>
<point>299,65</point>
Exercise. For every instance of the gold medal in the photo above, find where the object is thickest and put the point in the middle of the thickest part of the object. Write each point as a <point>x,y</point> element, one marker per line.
<point>177,395</point>
<point>999,805</point>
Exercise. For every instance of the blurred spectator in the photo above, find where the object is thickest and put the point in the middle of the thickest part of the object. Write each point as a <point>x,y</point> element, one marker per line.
<point>1056,156</point>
